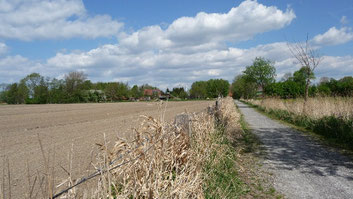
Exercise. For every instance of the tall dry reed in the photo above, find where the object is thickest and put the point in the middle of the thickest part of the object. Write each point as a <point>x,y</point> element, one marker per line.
<point>315,108</point>
<point>161,162</point>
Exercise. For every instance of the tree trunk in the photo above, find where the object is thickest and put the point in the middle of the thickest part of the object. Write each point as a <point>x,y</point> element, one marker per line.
<point>306,94</point>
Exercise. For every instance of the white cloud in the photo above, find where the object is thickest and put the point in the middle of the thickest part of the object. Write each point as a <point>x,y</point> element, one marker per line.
<point>14,68</point>
<point>334,36</point>
<point>167,69</point>
<point>45,19</point>
<point>3,48</point>
<point>164,58</point>
<point>335,66</point>
<point>239,24</point>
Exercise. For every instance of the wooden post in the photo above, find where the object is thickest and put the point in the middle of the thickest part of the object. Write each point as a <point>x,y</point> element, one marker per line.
<point>183,121</point>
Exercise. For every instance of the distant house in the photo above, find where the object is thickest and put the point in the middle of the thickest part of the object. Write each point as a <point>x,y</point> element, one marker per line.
<point>152,93</point>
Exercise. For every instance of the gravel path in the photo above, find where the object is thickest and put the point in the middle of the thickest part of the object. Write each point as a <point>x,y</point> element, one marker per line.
<point>302,168</point>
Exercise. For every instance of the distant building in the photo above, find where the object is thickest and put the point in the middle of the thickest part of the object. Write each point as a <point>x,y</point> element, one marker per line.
<point>152,92</point>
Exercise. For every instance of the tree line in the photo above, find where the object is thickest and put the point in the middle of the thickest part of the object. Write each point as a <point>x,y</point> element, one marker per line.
<point>259,79</point>
<point>76,88</point>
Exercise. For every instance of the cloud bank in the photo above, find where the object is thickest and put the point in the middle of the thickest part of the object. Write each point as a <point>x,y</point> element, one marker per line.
<point>187,50</point>
<point>61,19</point>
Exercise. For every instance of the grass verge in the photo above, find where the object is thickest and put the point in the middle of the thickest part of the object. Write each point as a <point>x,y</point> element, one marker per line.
<point>222,179</point>
<point>234,169</point>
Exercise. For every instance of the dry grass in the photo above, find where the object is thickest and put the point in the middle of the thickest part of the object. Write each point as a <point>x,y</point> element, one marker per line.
<point>230,118</point>
<point>162,161</point>
<point>315,108</point>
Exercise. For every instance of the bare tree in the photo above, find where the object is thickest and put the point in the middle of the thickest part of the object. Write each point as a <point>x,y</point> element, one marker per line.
<point>74,79</point>
<point>308,58</point>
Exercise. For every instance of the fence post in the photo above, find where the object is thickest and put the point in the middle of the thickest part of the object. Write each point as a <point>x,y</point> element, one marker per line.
<point>183,121</point>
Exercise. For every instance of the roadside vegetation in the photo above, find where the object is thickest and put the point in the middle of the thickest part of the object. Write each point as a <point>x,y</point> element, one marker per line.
<point>329,117</point>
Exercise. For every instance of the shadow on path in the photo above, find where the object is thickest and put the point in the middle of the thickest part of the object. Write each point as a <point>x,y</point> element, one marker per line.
<point>302,167</point>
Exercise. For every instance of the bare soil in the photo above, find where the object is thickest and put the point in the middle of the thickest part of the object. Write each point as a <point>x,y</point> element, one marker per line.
<point>61,127</point>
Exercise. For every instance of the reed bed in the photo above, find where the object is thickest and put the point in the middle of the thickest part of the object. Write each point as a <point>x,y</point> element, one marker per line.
<point>331,117</point>
<point>161,162</point>
<point>315,108</point>
<point>230,118</point>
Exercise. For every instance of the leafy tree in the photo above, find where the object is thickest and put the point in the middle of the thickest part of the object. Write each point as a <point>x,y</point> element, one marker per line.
<point>57,91</point>
<point>302,75</point>
<point>41,93</point>
<point>136,92</point>
<point>262,72</point>
<point>87,85</point>
<point>199,90</point>
<point>217,87</point>
<point>241,88</point>
<point>74,82</point>
<point>111,91</point>
<point>123,91</point>
<point>346,86</point>
<point>179,92</point>
<point>22,92</point>
<point>12,94</point>
<point>116,91</point>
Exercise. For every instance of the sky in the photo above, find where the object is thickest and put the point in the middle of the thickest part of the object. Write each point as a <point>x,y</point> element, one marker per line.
<point>168,43</point>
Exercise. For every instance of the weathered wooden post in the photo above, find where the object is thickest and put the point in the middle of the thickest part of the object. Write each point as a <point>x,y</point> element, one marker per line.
<point>183,121</point>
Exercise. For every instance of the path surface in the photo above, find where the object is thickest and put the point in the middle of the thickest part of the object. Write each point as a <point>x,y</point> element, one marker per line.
<point>301,167</point>
<point>62,126</point>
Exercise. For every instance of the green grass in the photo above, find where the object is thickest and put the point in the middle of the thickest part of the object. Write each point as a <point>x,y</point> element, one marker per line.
<point>225,179</point>
<point>222,178</point>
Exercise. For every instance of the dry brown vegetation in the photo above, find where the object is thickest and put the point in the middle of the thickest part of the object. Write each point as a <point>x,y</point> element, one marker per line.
<point>316,108</point>
<point>161,160</point>
<point>67,134</point>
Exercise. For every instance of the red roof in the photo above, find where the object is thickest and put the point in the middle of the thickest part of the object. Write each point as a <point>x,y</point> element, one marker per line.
<point>150,92</point>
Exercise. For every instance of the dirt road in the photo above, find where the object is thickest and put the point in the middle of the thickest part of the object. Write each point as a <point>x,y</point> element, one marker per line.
<point>61,126</point>
<point>302,168</point>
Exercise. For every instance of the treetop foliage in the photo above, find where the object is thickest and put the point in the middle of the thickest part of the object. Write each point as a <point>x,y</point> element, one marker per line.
<point>76,88</point>
<point>262,73</point>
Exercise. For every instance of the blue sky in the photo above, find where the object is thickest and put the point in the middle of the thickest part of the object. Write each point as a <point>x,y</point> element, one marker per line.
<point>169,43</point>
